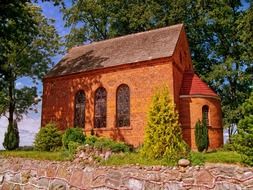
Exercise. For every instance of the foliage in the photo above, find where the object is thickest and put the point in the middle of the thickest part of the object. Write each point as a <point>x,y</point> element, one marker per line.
<point>72,147</point>
<point>229,146</point>
<point>201,135</point>
<point>73,135</point>
<point>163,137</point>
<point>106,143</point>
<point>244,138</point>
<point>11,137</point>
<point>220,37</point>
<point>48,138</point>
<point>90,140</point>
<point>28,42</point>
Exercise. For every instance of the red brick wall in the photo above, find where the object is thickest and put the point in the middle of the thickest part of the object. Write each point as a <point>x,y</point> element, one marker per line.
<point>191,111</point>
<point>182,62</point>
<point>143,80</point>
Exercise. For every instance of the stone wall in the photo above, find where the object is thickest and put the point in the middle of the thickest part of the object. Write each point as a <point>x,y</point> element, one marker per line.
<point>23,174</point>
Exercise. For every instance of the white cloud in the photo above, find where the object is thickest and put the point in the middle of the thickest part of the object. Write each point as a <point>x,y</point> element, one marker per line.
<point>28,128</point>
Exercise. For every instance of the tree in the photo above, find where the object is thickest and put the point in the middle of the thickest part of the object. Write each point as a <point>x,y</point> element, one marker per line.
<point>163,137</point>
<point>219,32</point>
<point>229,74</point>
<point>11,137</point>
<point>28,54</point>
<point>201,135</point>
<point>244,138</point>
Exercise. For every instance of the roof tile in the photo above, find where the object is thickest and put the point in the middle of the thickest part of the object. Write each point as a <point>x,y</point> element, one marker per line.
<point>193,85</point>
<point>143,46</point>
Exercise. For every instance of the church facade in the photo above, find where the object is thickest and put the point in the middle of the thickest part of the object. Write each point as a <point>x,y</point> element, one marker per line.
<point>106,87</point>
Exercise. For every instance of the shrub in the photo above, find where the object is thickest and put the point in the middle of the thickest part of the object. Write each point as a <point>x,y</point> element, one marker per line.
<point>90,140</point>
<point>163,137</point>
<point>11,137</point>
<point>72,147</point>
<point>243,141</point>
<point>74,135</point>
<point>201,135</point>
<point>106,143</point>
<point>48,138</point>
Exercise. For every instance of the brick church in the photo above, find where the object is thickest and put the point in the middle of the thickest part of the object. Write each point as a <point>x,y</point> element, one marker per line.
<point>106,87</point>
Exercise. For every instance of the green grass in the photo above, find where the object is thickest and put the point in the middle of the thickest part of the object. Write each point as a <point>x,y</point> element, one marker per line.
<point>37,155</point>
<point>195,157</point>
<point>131,157</point>
<point>229,157</point>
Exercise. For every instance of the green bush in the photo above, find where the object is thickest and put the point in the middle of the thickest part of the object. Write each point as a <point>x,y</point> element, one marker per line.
<point>74,135</point>
<point>201,136</point>
<point>163,137</point>
<point>48,138</point>
<point>106,143</point>
<point>11,137</point>
<point>72,147</point>
<point>243,141</point>
<point>90,140</point>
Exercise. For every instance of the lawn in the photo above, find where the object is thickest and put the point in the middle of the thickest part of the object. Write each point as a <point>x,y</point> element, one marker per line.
<point>37,155</point>
<point>195,157</point>
<point>131,158</point>
<point>230,157</point>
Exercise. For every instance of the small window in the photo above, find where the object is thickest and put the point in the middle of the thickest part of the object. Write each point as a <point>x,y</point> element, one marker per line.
<point>100,108</point>
<point>123,106</point>
<point>205,114</point>
<point>79,118</point>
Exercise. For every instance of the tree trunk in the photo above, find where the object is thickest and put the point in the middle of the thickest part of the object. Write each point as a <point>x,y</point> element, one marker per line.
<point>12,101</point>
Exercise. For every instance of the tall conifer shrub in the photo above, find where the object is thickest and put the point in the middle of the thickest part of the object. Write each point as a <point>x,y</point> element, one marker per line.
<point>201,135</point>
<point>163,137</point>
<point>11,137</point>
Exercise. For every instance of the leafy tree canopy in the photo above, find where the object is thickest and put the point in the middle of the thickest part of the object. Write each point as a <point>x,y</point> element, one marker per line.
<point>27,52</point>
<point>244,139</point>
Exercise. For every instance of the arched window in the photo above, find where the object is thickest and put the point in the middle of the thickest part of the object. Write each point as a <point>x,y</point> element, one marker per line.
<point>79,119</point>
<point>100,108</point>
<point>123,106</point>
<point>205,114</point>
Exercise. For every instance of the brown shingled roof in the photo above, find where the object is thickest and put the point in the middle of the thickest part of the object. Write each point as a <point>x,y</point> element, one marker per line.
<point>153,44</point>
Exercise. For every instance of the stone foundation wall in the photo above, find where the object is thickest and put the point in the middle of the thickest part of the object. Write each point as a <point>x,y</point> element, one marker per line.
<point>23,174</point>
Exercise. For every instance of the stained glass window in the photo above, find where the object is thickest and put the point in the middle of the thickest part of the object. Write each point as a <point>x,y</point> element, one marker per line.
<point>205,113</point>
<point>79,119</point>
<point>123,106</point>
<point>100,108</point>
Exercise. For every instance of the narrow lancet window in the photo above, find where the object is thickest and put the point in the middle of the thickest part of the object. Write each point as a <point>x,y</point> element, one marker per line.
<point>205,114</point>
<point>100,108</point>
<point>79,119</point>
<point>123,106</point>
